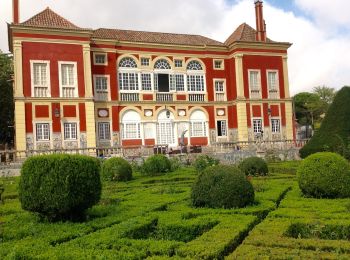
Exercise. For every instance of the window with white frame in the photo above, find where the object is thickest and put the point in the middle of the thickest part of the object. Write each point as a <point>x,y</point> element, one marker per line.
<point>146,82</point>
<point>127,62</point>
<point>195,83</point>
<point>100,58</point>
<point>220,90</point>
<point>70,131</point>
<point>42,132</point>
<point>218,64</point>
<point>257,126</point>
<point>194,65</point>
<point>178,63</point>
<point>40,78</point>
<point>148,129</point>
<point>68,81</point>
<point>198,124</point>
<point>275,125</point>
<point>128,81</point>
<point>145,62</point>
<point>162,64</point>
<point>221,128</point>
<point>104,131</point>
<point>272,83</point>
<point>255,83</point>
<point>131,125</point>
<point>177,82</point>
<point>101,87</point>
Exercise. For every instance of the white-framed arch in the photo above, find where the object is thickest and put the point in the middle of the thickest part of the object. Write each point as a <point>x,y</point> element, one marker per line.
<point>128,73</point>
<point>196,80</point>
<point>166,128</point>
<point>130,122</point>
<point>198,123</point>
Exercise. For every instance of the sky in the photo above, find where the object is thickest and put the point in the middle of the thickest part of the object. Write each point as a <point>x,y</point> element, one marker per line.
<point>318,29</point>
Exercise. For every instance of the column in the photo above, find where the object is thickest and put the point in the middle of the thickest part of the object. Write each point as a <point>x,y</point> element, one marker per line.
<point>239,75</point>
<point>17,62</point>
<point>87,70</point>
<point>90,124</point>
<point>285,76</point>
<point>20,126</point>
<point>242,121</point>
<point>289,120</point>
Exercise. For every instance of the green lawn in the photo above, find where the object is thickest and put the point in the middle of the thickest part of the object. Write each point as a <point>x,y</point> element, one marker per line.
<point>151,217</point>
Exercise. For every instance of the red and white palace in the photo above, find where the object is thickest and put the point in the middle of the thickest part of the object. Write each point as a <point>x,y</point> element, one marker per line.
<point>76,87</point>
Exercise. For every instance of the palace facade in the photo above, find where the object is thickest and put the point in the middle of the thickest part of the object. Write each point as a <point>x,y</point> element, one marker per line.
<point>76,87</point>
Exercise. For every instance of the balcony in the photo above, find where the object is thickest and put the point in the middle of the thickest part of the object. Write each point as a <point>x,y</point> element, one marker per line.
<point>101,96</point>
<point>164,97</point>
<point>255,94</point>
<point>68,92</point>
<point>196,97</point>
<point>273,94</point>
<point>131,97</point>
<point>41,92</point>
<point>220,97</point>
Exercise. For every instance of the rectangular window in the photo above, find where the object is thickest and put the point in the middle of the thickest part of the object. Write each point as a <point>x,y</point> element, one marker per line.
<point>275,125</point>
<point>220,90</point>
<point>128,81</point>
<point>100,58</point>
<point>178,63</point>
<point>104,131</point>
<point>219,86</point>
<point>221,128</point>
<point>68,80</point>
<point>42,132</point>
<point>146,81</point>
<point>70,131</point>
<point>255,84</point>
<point>257,126</point>
<point>40,79</point>
<point>144,61</point>
<point>177,82</point>
<point>218,64</point>
<point>148,129</point>
<point>272,83</point>
<point>101,84</point>
<point>131,131</point>
<point>198,129</point>
<point>195,83</point>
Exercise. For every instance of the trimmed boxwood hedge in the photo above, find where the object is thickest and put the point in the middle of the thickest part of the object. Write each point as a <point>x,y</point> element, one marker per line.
<point>324,175</point>
<point>222,186</point>
<point>204,161</point>
<point>116,169</point>
<point>333,135</point>
<point>156,165</point>
<point>60,187</point>
<point>254,166</point>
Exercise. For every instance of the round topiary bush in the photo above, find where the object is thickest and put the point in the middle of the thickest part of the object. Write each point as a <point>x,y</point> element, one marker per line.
<point>254,166</point>
<point>60,187</point>
<point>156,164</point>
<point>324,175</point>
<point>204,161</point>
<point>222,186</point>
<point>116,169</point>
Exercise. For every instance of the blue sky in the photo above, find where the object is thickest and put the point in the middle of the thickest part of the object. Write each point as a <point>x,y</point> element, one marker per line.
<point>318,29</point>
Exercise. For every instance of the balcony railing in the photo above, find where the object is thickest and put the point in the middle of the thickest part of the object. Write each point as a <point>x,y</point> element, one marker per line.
<point>196,97</point>
<point>68,92</point>
<point>220,97</point>
<point>41,91</point>
<point>255,93</point>
<point>101,96</point>
<point>129,97</point>
<point>163,97</point>
<point>273,93</point>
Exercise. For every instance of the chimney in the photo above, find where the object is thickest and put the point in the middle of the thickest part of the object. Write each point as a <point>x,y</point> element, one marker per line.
<point>15,11</point>
<point>260,22</point>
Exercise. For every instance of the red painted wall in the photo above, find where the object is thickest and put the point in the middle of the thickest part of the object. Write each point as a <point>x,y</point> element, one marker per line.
<point>275,110</point>
<point>211,113</point>
<point>199,141</point>
<point>150,142</point>
<point>266,114</point>
<point>283,114</point>
<point>256,110</point>
<point>262,63</point>
<point>53,52</point>
<point>70,111</point>
<point>29,117</point>
<point>42,111</point>
<point>134,142</point>
<point>232,117</point>
<point>180,97</point>
<point>115,118</point>
<point>147,96</point>
<point>231,87</point>
<point>56,121</point>
<point>82,117</point>
<point>249,121</point>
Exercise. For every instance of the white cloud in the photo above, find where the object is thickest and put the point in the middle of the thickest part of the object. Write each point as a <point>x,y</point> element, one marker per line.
<point>318,56</point>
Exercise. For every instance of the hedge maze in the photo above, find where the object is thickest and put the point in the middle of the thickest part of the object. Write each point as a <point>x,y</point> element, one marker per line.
<point>152,218</point>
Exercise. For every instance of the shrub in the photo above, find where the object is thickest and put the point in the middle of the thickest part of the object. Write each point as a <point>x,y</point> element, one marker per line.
<point>204,161</point>
<point>254,166</point>
<point>175,163</point>
<point>60,187</point>
<point>156,164</point>
<point>324,175</point>
<point>116,169</point>
<point>334,131</point>
<point>222,186</point>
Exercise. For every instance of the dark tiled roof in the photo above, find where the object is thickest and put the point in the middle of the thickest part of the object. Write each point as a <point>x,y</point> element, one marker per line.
<point>244,33</point>
<point>50,19</point>
<point>154,37</point>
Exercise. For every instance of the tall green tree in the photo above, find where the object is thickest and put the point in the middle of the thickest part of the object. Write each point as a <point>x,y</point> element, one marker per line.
<point>326,94</point>
<point>6,99</point>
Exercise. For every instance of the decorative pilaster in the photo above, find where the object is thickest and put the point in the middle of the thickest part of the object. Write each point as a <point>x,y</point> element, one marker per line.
<point>87,71</point>
<point>239,75</point>
<point>20,126</point>
<point>17,62</point>
<point>285,76</point>
<point>242,122</point>
<point>289,120</point>
<point>90,124</point>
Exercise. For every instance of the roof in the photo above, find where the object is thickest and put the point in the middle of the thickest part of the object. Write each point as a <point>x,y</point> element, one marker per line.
<point>244,33</point>
<point>49,19</point>
<point>154,37</point>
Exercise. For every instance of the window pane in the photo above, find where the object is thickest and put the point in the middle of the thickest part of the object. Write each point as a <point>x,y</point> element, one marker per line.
<point>257,125</point>
<point>42,132</point>
<point>146,81</point>
<point>70,131</point>
<point>101,84</point>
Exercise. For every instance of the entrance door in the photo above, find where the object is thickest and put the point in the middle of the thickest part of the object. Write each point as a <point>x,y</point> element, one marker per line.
<point>166,133</point>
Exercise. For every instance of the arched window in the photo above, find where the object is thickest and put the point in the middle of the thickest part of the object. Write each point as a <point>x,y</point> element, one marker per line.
<point>131,125</point>
<point>127,62</point>
<point>194,65</point>
<point>162,64</point>
<point>198,124</point>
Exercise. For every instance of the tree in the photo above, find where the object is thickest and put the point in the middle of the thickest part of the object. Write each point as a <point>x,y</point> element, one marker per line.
<point>325,93</point>
<point>6,99</point>
<point>334,133</point>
